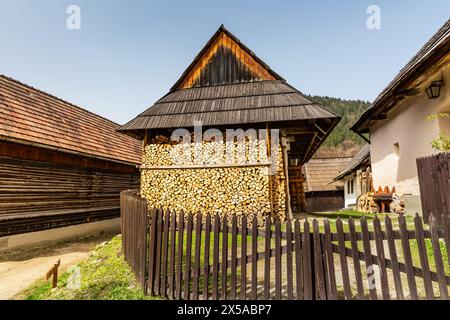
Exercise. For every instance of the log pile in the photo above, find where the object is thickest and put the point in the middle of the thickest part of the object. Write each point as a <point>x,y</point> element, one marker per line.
<point>241,189</point>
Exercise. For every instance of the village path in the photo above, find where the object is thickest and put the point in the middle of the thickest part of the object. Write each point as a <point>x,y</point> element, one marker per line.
<point>19,268</point>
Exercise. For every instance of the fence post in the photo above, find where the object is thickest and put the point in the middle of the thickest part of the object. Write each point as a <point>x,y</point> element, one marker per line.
<point>313,266</point>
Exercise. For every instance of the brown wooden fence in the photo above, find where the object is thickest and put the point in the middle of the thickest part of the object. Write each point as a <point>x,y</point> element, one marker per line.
<point>198,256</point>
<point>133,215</point>
<point>434,182</point>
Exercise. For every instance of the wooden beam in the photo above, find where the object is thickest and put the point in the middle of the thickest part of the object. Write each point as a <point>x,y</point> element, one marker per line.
<point>270,176</point>
<point>310,146</point>
<point>286,174</point>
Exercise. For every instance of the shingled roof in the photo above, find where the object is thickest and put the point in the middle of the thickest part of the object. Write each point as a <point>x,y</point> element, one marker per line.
<point>403,84</point>
<point>361,158</point>
<point>243,103</point>
<point>319,174</point>
<point>31,116</point>
<point>227,84</point>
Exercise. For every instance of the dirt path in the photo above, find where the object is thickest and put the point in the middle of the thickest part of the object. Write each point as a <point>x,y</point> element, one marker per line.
<point>19,268</point>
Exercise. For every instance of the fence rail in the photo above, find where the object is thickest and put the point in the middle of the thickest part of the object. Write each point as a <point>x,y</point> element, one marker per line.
<point>211,257</point>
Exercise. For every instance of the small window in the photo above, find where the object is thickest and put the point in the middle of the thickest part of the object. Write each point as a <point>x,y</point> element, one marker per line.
<point>352,185</point>
<point>397,149</point>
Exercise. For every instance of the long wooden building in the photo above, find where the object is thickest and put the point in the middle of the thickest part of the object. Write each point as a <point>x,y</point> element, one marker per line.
<point>227,87</point>
<point>60,165</point>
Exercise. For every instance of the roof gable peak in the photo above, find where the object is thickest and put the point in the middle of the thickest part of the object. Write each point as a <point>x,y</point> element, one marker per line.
<point>224,60</point>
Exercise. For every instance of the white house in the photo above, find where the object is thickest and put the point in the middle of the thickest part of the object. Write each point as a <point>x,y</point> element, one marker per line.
<point>397,123</point>
<point>348,176</point>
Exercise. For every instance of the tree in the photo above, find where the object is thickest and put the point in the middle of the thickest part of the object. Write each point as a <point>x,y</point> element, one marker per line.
<point>442,142</point>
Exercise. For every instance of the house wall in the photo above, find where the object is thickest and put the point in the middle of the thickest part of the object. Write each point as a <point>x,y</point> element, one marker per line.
<point>172,181</point>
<point>349,197</point>
<point>324,201</point>
<point>409,128</point>
<point>58,190</point>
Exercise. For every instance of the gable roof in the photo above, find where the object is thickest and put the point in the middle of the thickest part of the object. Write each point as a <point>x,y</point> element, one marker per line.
<point>224,60</point>
<point>361,158</point>
<point>319,174</point>
<point>28,115</point>
<point>227,84</point>
<point>430,54</point>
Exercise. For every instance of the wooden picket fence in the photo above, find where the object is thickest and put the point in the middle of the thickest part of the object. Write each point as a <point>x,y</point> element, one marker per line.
<point>194,257</point>
<point>434,181</point>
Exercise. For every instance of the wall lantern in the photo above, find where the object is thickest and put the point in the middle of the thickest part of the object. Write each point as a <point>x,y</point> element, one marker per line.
<point>434,89</point>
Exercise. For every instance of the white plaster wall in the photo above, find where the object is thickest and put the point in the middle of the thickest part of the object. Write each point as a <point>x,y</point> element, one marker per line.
<point>408,126</point>
<point>349,198</point>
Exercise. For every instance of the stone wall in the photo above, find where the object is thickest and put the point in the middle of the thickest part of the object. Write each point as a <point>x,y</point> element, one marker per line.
<point>173,178</point>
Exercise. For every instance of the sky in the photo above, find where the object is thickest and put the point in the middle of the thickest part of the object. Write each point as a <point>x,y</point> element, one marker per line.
<point>127,54</point>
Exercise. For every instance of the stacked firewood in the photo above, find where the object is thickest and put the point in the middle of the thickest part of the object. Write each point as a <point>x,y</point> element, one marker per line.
<point>239,189</point>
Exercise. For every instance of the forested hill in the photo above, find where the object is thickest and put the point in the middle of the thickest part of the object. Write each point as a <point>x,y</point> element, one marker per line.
<point>342,141</point>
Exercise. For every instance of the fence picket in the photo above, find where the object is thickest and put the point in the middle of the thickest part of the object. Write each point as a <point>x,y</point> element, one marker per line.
<point>215,268</point>
<point>331,282</point>
<point>224,262</point>
<point>308,283</point>
<point>173,229</point>
<point>394,259</point>
<point>254,258</point>
<point>158,251</point>
<point>438,257</point>
<point>298,261</point>
<point>408,259</point>
<point>368,257</point>
<point>180,255</point>
<point>165,245</point>
<point>197,253</point>
<point>206,259</point>
<point>243,258</point>
<point>187,262</point>
<point>423,255</point>
<point>343,260</point>
<point>446,223</point>
<point>381,259</point>
<point>289,272</point>
<point>233,266</point>
<point>151,254</point>
<point>318,263</point>
<point>267,247</point>
<point>355,259</point>
<point>277,260</point>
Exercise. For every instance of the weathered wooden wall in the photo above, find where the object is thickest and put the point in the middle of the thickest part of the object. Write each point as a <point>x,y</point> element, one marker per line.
<point>323,201</point>
<point>38,195</point>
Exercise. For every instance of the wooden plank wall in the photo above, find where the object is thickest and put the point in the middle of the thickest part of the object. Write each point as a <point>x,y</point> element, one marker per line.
<point>38,195</point>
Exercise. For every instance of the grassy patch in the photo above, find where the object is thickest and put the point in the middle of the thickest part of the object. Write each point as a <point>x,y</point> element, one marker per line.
<point>343,214</point>
<point>430,254</point>
<point>104,276</point>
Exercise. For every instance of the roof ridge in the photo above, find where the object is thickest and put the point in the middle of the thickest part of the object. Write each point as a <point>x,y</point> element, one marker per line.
<point>55,97</point>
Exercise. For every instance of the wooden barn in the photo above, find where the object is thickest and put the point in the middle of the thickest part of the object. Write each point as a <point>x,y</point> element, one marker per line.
<point>227,87</point>
<point>322,193</point>
<point>60,165</point>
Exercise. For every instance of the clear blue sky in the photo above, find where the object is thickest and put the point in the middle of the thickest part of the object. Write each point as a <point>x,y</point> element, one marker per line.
<point>129,53</point>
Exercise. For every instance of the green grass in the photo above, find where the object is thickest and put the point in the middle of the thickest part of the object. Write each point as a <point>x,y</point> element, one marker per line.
<point>104,276</point>
<point>343,214</point>
<point>430,254</point>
